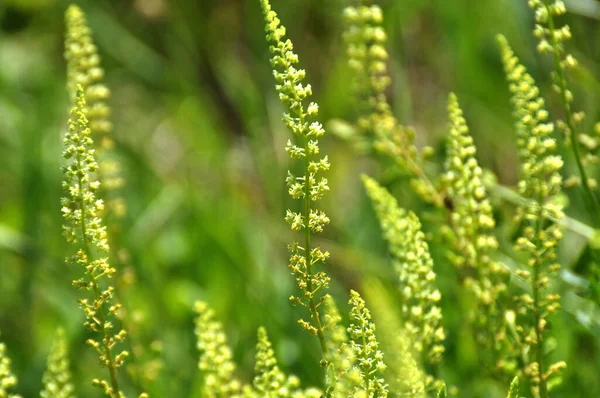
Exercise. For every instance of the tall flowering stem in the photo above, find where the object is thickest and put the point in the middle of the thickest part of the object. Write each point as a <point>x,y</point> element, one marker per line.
<point>83,68</point>
<point>365,347</point>
<point>551,40</point>
<point>308,186</point>
<point>216,358</point>
<point>420,298</point>
<point>84,228</point>
<point>539,182</point>
<point>365,40</point>
<point>471,234</point>
<point>57,377</point>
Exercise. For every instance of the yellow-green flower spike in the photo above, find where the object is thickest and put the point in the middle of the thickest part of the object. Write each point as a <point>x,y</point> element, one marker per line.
<point>57,378</point>
<point>471,230</point>
<point>442,392</point>
<point>309,186</point>
<point>414,266</point>
<point>215,355</point>
<point>84,228</point>
<point>367,56</point>
<point>513,391</point>
<point>339,357</point>
<point>270,381</point>
<point>7,379</point>
<point>539,182</point>
<point>552,39</point>
<point>403,372</point>
<point>364,345</point>
<point>83,68</point>
<point>365,46</point>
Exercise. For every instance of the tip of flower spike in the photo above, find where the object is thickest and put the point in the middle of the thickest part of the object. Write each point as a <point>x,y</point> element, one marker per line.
<point>200,307</point>
<point>513,392</point>
<point>452,100</point>
<point>500,38</point>
<point>262,333</point>
<point>442,392</point>
<point>74,11</point>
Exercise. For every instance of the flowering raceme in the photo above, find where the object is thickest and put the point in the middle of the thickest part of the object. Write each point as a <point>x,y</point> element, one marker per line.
<point>57,378</point>
<point>414,266</point>
<point>215,355</point>
<point>471,231</point>
<point>367,57</point>
<point>365,348</point>
<point>539,183</point>
<point>7,378</point>
<point>84,68</point>
<point>83,227</point>
<point>309,186</point>
<point>586,147</point>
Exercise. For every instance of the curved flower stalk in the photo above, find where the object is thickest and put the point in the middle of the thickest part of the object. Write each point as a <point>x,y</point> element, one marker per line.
<point>539,182</point>
<point>215,355</point>
<point>472,224</point>
<point>369,365</point>
<point>270,381</point>
<point>421,313</point>
<point>308,187</point>
<point>84,228</point>
<point>367,56</point>
<point>83,68</point>
<point>57,378</point>
<point>7,378</point>
<point>552,40</point>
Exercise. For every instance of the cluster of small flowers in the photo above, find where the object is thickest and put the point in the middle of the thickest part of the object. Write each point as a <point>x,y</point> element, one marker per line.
<point>539,182</point>
<point>552,40</point>
<point>270,381</point>
<point>367,57</point>
<point>7,379</point>
<point>339,357</point>
<point>404,373</point>
<point>365,348</point>
<point>414,266</point>
<point>217,364</point>
<point>471,228</point>
<point>83,226</point>
<point>57,378</point>
<point>83,68</point>
<point>309,186</point>
<point>215,355</point>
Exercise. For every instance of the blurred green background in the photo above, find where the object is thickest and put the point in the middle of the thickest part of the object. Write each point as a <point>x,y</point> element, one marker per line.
<point>199,137</point>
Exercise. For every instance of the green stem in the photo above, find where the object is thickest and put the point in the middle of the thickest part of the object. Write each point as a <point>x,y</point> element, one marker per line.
<point>509,195</point>
<point>535,287</point>
<point>101,315</point>
<point>562,84</point>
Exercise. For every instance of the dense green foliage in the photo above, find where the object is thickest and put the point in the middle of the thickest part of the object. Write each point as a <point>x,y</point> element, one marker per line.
<point>457,257</point>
